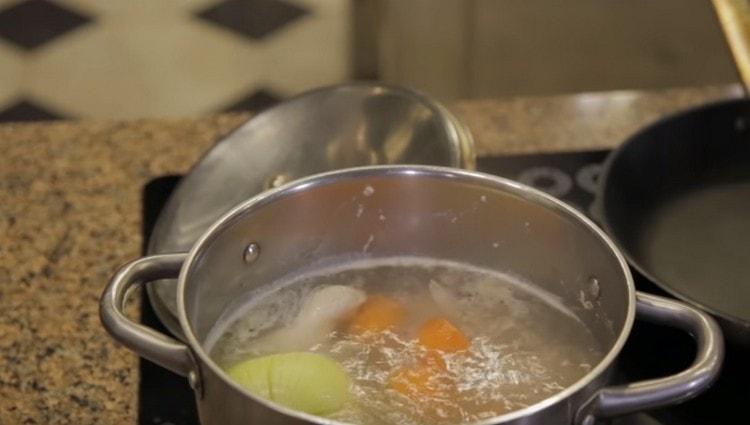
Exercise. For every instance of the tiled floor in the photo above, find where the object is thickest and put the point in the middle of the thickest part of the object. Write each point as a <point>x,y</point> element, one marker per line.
<point>136,58</point>
<point>125,59</point>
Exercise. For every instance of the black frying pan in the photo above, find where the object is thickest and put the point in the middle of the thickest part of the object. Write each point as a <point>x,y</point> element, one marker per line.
<point>676,199</point>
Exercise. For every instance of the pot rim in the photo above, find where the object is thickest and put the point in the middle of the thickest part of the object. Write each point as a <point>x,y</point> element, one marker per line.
<point>510,186</point>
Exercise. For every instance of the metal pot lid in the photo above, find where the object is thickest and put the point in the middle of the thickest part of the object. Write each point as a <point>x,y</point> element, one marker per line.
<point>321,130</point>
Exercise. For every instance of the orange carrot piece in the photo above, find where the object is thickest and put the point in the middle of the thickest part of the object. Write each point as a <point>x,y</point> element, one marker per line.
<point>422,379</point>
<point>414,382</point>
<point>378,313</point>
<point>440,334</point>
<point>434,360</point>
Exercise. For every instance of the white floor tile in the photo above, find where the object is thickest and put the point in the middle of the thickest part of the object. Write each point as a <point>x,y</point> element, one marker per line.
<point>11,73</point>
<point>147,9</point>
<point>124,70</point>
<point>311,52</point>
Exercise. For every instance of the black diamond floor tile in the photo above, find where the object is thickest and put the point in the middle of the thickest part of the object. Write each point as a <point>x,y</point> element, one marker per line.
<point>254,19</point>
<point>256,101</point>
<point>25,110</point>
<point>33,23</point>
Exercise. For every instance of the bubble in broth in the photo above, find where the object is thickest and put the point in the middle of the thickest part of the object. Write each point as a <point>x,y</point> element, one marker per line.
<point>525,346</point>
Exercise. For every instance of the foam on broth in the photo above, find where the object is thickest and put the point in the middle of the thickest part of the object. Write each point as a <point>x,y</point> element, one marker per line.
<point>525,345</point>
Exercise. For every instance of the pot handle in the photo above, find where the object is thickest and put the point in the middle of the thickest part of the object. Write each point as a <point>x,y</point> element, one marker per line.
<point>150,344</point>
<point>623,399</point>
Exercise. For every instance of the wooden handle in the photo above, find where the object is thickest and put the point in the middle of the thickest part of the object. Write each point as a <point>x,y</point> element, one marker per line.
<point>734,17</point>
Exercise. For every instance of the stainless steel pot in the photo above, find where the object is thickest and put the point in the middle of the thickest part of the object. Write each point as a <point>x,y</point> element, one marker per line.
<point>429,211</point>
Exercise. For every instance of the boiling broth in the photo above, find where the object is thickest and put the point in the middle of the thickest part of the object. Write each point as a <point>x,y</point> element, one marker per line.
<point>524,345</point>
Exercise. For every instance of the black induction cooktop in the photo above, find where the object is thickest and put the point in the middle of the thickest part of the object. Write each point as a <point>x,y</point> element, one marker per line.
<point>651,351</point>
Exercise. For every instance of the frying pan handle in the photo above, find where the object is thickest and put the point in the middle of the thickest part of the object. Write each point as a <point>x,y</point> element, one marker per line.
<point>623,399</point>
<point>152,345</point>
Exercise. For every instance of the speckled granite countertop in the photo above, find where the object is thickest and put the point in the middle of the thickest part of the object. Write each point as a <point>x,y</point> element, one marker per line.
<point>70,215</point>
